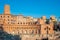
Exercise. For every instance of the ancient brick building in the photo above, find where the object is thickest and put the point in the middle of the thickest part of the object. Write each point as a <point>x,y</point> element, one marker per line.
<point>28,28</point>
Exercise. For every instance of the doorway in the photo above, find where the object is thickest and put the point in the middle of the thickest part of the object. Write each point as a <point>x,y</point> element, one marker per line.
<point>45,39</point>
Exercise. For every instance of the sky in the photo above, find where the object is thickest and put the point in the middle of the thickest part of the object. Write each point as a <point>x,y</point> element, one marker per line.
<point>34,8</point>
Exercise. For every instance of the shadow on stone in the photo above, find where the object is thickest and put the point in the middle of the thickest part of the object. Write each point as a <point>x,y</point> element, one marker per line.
<point>5,36</point>
<point>45,39</point>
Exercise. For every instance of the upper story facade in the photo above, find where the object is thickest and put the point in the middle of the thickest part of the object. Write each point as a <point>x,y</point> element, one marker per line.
<point>7,18</point>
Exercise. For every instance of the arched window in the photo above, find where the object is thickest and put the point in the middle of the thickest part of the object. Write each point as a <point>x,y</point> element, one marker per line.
<point>29,23</point>
<point>26,23</point>
<point>18,22</point>
<point>21,23</point>
<point>8,16</point>
<point>38,31</point>
<point>1,16</point>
